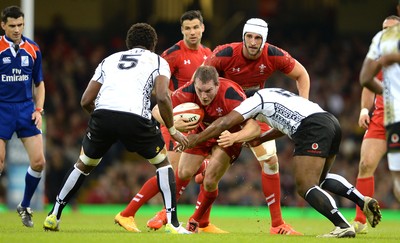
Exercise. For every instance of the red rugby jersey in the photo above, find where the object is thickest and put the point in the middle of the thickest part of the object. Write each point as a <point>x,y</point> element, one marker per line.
<point>183,62</point>
<point>250,74</point>
<point>228,97</point>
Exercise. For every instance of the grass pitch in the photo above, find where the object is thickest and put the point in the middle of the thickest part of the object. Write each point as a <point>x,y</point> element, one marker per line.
<point>95,223</point>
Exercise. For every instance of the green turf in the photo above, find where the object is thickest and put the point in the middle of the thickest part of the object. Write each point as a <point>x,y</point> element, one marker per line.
<point>94,223</point>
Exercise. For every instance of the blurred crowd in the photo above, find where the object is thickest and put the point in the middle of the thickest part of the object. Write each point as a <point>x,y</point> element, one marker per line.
<point>70,60</point>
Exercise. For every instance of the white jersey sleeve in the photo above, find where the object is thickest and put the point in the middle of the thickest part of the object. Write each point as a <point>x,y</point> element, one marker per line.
<point>278,108</point>
<point>389,43</point>
<point>128,79</point>
<point>373,52</point>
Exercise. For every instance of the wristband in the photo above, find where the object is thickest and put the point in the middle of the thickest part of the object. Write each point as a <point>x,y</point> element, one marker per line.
<point>40,110</point>
<point>364,111</point>
<point>172,130</point>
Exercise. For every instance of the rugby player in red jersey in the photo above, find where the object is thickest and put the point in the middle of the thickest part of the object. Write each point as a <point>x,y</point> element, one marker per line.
<point>217,96</point>
<point>250,63</point>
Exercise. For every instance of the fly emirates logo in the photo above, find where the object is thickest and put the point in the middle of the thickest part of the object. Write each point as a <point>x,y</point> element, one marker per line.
<point>16,76</point>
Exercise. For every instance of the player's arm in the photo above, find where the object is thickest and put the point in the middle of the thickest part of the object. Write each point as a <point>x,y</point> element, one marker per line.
<point>89,96</point>
<point>164,103</point>
<point>250,131</point>
<point>369,70</point>
<point>267,136</point>
<point>367,102</point>
<point>389,59</point>
<point>216,128</point>
<point>300,74</point>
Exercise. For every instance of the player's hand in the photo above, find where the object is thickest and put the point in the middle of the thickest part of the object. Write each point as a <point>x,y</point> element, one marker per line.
<point>181,140</point>
<point>184,125</point>
<point>364,119</point>
<point>226,139</point>
<point>37,118</point>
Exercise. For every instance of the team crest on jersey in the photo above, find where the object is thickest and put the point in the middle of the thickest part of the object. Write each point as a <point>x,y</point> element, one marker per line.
<point>219,110</point>
<point>262,67</point>
<point>24,61</point>
<point>6,60</point>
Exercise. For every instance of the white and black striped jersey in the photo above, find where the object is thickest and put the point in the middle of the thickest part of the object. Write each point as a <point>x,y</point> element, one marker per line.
<point>387,42</point>
<point>127,80</point>
<point>279,108</point>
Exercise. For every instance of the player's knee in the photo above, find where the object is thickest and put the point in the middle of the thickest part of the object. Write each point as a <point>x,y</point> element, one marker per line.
<point>185,173</point>
<point>159,158</point>
<point>89,161</point>
<point>265,151</point>
<point>366,167</point>
<point>210,183</point>
<point>270,166</point>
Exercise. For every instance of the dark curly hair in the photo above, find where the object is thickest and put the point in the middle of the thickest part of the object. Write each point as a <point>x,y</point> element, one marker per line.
<point>11,12</point>
<point>141,34</point>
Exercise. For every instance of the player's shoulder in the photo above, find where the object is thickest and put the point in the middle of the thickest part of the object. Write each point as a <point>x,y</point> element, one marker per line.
<point>274,51</point>
<point>232,89</point>
<point>227,50</point>
<point>173,50</point>
<point>188,87</point>
<point>206,48</point>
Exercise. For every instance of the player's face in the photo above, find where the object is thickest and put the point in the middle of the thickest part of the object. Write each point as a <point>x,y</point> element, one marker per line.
<point>13,29</point>
<point>252,45</point>
<point>206,92</point>
<point>192,31</point>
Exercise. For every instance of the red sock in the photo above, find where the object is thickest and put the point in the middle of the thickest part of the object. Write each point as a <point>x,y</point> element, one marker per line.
<point>205,218</point>
<point>204,202</point>
<point>271,186</point>
<point>148,190</point>
<point>180,185</point>
<point>366,187</point>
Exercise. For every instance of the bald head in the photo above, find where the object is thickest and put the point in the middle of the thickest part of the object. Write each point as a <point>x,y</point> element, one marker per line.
<point>390,21</point>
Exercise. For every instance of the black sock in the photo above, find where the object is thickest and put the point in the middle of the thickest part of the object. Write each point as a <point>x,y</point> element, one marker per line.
<point>325,205</point>
<point>340,186</point>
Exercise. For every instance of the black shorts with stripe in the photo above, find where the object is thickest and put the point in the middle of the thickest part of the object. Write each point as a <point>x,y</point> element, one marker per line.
<point>318,135</point>
<point>136,133</point>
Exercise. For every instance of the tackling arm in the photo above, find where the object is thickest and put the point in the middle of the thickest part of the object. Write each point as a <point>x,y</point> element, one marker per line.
<point>250,131</point>
<point>216,127</point>
<point>267,136</point>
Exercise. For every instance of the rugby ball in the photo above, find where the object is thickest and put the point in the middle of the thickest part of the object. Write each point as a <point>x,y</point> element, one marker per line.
<point>188,110</point>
